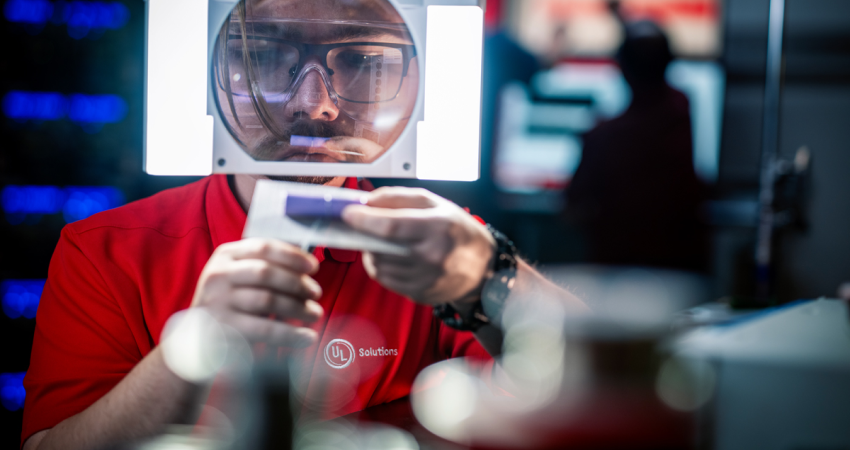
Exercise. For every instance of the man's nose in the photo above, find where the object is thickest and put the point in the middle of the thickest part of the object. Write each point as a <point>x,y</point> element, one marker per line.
<point>312,100</point>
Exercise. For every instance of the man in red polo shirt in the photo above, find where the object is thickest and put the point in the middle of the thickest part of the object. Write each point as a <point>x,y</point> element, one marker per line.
<point>98,376</point>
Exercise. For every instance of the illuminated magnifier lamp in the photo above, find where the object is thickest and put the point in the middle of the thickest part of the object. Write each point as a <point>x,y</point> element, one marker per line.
<point>239,88</point>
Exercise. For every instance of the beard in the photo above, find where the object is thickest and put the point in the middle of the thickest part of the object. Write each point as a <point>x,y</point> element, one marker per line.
<point>301,179</point>
<point>271,147</point>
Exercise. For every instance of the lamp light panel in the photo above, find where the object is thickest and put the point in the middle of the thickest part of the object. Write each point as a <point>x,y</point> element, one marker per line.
<point>178,134</point>
<point>448,146</point>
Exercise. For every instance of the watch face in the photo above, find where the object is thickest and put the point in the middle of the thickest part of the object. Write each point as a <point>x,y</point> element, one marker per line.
<point>315,81</point>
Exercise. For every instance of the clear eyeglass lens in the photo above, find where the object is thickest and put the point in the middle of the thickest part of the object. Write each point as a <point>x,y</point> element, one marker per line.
<point>273,65</point>
<point>360,73</point>
<point>366,73</point>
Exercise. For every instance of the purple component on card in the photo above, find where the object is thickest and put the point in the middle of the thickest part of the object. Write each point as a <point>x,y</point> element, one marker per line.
<point>306,141</point>
<point>318,207</point>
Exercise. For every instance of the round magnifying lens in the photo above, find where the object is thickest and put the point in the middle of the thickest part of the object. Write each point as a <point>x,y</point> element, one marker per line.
<point>315,81</point>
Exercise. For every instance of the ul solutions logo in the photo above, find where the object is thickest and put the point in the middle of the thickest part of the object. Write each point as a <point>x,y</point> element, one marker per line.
<point>339,353</point>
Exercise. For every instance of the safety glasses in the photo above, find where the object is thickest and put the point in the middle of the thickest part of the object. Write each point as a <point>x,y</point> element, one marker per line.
<point>358,72</point>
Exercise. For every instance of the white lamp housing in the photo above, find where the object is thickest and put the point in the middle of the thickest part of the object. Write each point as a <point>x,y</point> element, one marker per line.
<point>184,134</point>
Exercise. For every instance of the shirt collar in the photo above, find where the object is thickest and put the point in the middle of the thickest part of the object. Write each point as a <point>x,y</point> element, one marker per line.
<point>226,218</point>
<point>225,215</point>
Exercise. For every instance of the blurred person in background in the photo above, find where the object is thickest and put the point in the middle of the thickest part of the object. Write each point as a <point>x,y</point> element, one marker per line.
<point>98,376</point>
<point>635,192</point>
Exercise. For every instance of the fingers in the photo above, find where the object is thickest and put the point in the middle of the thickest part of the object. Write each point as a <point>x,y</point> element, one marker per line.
<point>399,214</point>
<point>401,275</point>
<point>368,260</point>
<point>403,225</point>
<point>397,262</point>
<point>261,274</point>
<point>247,281</point>
<point>261,329</point>
<point>401,197</point>
<point>262,302</point>
<point>274,251</point>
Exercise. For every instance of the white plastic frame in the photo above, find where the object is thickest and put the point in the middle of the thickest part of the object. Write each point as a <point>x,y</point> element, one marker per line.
<point>184,134</point>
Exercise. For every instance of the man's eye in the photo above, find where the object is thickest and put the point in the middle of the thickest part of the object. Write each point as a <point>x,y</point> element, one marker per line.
<point>356,60</point>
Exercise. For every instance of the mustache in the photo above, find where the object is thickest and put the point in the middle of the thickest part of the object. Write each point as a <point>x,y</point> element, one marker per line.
<point>315,129</point>
<point>269,148</point>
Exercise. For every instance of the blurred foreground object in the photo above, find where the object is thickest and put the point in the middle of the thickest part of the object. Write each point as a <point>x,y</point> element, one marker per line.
<point>621,378</point>
<point>783,377</point>
<point>583,381</point>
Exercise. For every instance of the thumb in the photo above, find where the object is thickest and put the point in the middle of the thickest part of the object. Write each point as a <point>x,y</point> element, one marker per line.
<point>401,197</point>
<point>393,224</point>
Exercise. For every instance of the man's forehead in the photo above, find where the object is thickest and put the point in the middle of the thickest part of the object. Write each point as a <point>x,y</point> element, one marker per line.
<point>359,10</point>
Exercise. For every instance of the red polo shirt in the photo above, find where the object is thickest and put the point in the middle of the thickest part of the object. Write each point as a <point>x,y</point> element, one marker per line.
<point>116,277</point>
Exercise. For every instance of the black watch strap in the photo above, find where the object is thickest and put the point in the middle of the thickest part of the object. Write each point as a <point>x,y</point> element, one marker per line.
<point>497,285</point>
<point>472,321</point>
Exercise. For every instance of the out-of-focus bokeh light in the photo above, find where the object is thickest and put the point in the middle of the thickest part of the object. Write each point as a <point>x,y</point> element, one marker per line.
<point>12,391</point>
<point>340,434</point>
<point>33,199</point>
<point>535,353</point>
<point>84,201</point>
<point>79,108</point>
<point>28,11</point>
<point>685,384</point>
<point>194,345</point>
<point>335,434</point>
<point>445,395</point>
<point>22,105</point>
<point>379,437</point>
<point>74,202</point>
<point>21,297</point>
<point>96,108</point>
<point>81,18</point>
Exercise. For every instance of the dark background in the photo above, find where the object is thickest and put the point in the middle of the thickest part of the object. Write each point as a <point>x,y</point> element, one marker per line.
<point>815,113</point>
<point>63,153</point>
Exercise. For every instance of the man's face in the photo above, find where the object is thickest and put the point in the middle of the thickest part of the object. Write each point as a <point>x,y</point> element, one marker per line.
<point>316,80</point>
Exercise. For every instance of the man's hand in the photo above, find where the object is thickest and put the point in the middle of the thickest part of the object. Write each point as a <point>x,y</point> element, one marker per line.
<point>451,252</point>
<point>255,285</point>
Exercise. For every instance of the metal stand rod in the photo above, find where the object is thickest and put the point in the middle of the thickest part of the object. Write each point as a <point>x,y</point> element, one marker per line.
<point>770,139</point>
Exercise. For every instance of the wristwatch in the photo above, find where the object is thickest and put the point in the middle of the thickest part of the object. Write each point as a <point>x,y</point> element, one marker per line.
<point>497,285</point>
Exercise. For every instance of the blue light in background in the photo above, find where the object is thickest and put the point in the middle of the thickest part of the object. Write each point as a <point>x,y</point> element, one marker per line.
<point>34,105</point>
<point>74,202</point>
<point>20,297</point>
<point>28,11</point>
<point>83,17</point>
<point>96,108</point>
<point>80,108</point>
<point>12,393</point>
<point>85,201</point>
<point>33,199</point>
<point>80,17</point>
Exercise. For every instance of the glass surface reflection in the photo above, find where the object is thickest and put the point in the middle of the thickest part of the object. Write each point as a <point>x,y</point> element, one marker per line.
<point>319,81</point>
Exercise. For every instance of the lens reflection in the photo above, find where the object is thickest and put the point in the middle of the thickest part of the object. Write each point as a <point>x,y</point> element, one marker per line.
<point>347,69</point>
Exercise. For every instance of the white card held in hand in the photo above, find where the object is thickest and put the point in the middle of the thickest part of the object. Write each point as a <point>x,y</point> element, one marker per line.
<point>308,215</point>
